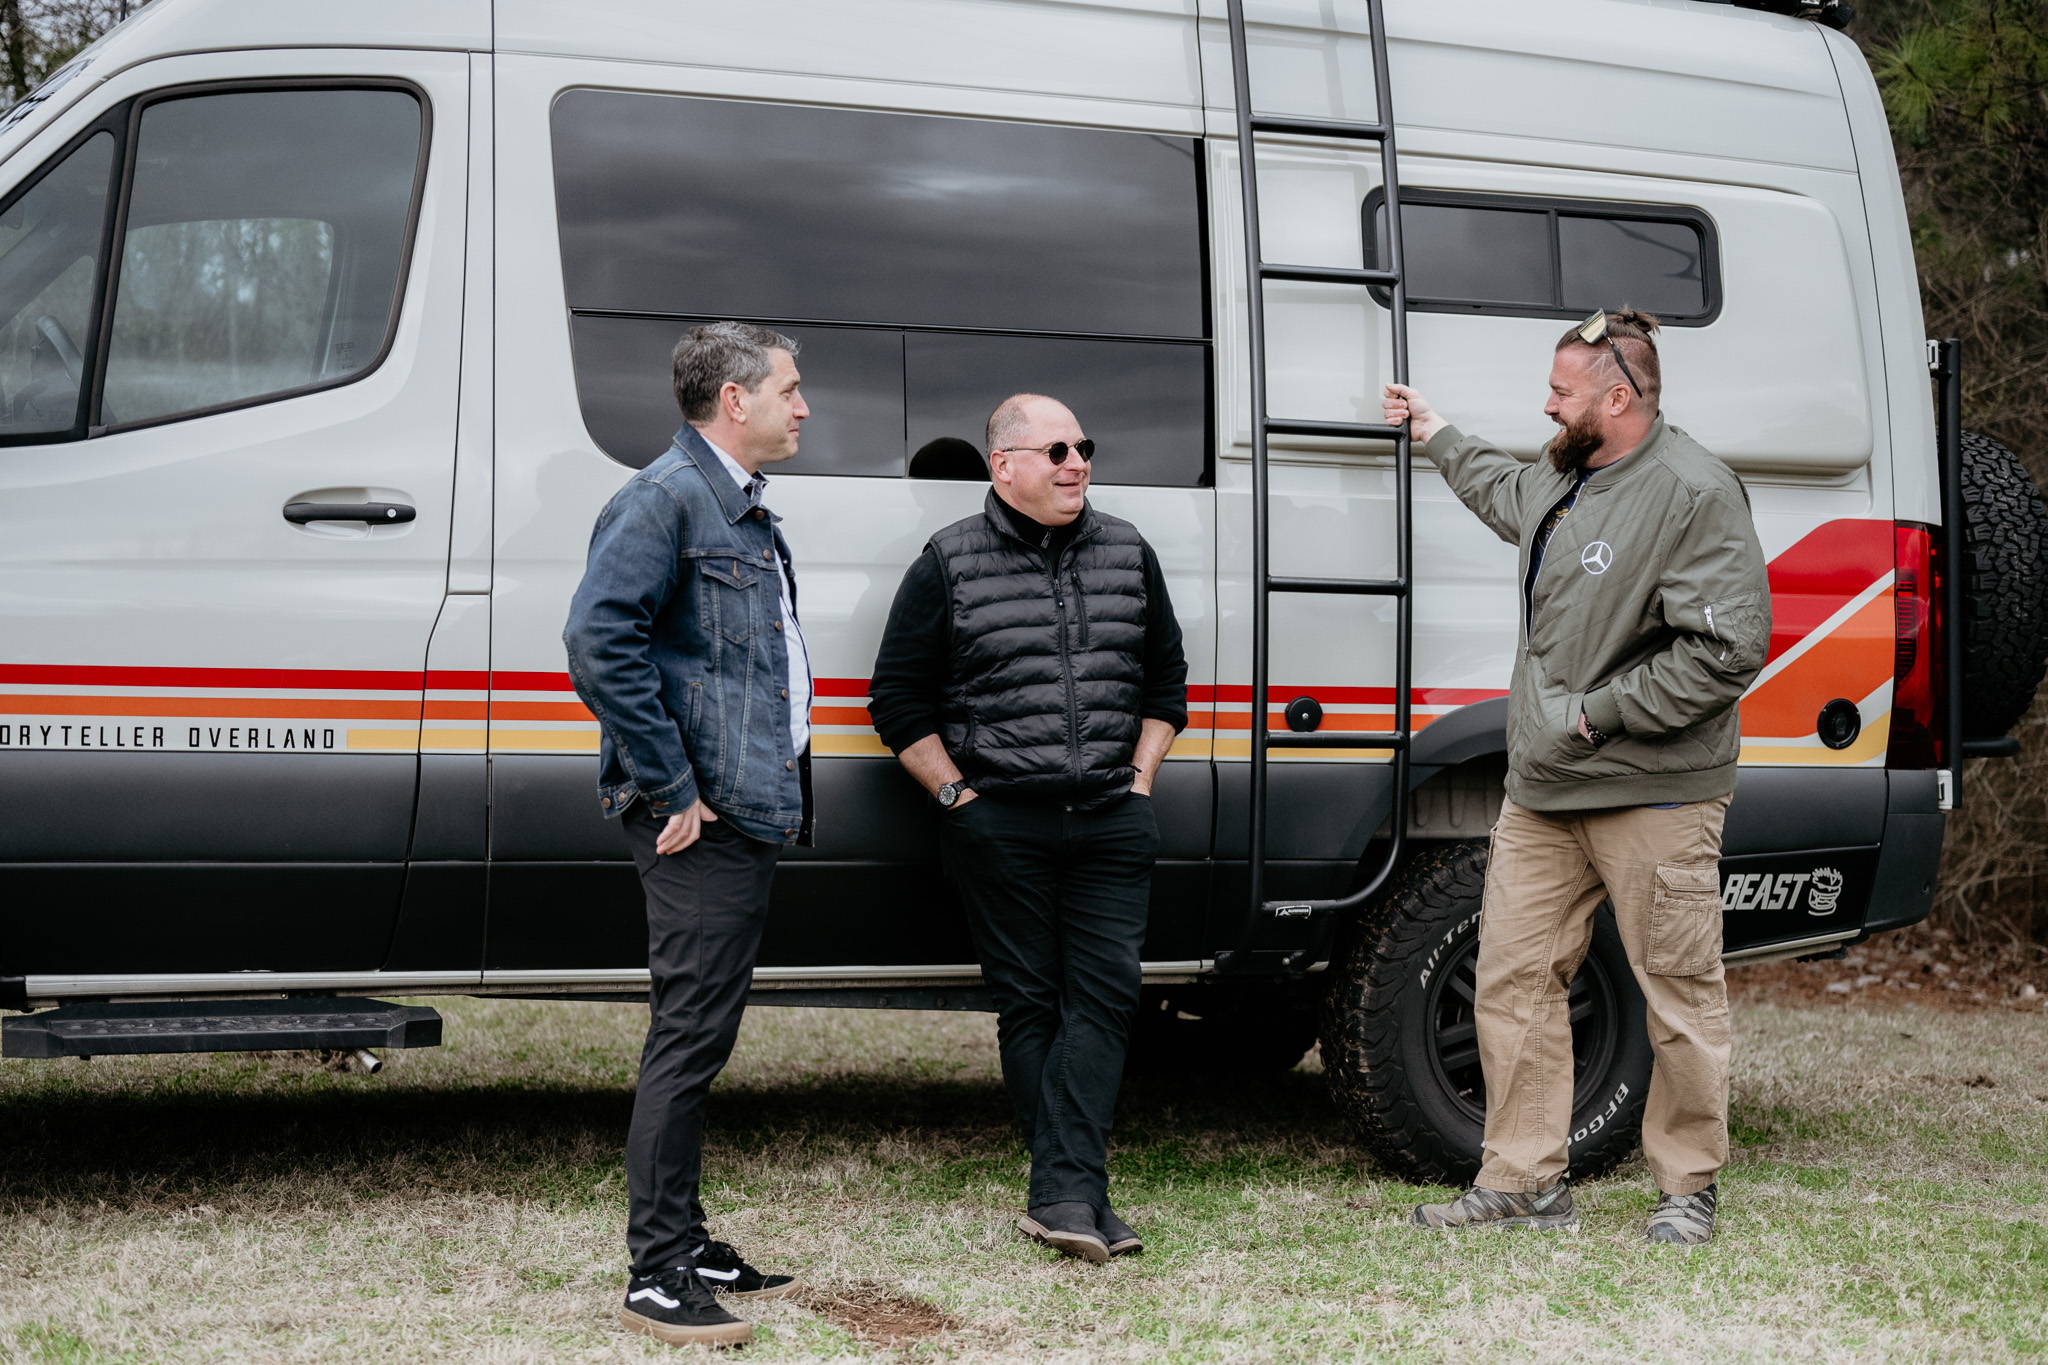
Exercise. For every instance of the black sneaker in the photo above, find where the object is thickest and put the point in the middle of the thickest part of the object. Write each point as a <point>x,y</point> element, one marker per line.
<point>1066,1228</point>
<point>1123,1241</point>
<point>674,1306</point>
<point>724,1272</point>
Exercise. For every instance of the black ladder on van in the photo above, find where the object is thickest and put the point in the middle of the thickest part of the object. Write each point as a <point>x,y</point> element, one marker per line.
<point>1264,425</point>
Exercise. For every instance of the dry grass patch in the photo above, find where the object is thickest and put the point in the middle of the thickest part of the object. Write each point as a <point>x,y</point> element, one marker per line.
<point>1885,1203</point>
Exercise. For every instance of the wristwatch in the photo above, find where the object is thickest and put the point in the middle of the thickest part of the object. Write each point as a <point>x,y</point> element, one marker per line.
<point>949,793</point>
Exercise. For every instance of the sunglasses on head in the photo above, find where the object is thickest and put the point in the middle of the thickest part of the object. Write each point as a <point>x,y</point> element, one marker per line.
<point>1593,331</point>
<point>1057,451</point>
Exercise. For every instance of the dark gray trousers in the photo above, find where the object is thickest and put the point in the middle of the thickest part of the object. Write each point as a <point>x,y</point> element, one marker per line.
<point>706,907</point>
<point>1056,900</point>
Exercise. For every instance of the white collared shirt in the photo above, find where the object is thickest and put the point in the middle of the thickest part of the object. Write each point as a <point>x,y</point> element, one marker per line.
<point>799,656</point>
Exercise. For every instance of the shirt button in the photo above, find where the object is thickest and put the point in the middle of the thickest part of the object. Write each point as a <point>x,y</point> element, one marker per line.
<point>767,554</point>
<point>789,834</point>
<point>785,694</point>
<point>789,763</point>
<point>606,803</point>
<point>778,625</point>
<point>760,513</point>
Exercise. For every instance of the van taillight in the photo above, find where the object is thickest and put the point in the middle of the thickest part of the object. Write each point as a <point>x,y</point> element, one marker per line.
<point>1919,671</point>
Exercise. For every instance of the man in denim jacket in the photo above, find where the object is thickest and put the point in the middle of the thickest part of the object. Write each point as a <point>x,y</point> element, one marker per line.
<point>683,642</point>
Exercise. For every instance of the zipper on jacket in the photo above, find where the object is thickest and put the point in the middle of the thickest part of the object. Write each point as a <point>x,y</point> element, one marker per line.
<point>1059,600</point>
<point>1081,607</point>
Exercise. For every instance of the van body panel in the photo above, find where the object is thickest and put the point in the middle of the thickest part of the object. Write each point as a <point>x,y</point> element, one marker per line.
<point>185,619</point>
<point>1909,397</point>
<point>1132,52</point>
<point>1675,77</point>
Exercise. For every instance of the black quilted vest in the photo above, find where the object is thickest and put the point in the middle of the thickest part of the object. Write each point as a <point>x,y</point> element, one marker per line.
<point>1047,662</point>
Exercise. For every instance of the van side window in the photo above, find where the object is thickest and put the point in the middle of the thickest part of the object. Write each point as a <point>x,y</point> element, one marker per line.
<point>50,238</point>
<point>930,266</point>
<point>265,236</point>
<point>1526,256</point>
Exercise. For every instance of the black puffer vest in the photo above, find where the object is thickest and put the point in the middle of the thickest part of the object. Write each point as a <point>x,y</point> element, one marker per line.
<point>1047,660</point>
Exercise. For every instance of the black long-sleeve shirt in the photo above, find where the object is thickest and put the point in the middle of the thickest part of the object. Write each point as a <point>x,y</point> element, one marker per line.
<point>911,671</point>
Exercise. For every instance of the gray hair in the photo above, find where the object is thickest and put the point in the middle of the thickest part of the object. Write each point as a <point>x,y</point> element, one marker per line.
<point>720,353</point>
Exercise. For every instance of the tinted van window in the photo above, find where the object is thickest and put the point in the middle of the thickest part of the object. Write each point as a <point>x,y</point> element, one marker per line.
<point>853,380</point>
<point>931,267</point>
<point>729,208</point>
<point>1533,257</point>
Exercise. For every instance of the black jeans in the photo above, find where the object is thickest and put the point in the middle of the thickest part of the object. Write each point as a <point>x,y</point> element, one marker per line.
<point>1056,900</point>
<point>706,907</point>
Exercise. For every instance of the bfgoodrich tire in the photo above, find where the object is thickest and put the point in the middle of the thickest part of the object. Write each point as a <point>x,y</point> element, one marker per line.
<point>1400,1049</point>
<point>2005,607</point>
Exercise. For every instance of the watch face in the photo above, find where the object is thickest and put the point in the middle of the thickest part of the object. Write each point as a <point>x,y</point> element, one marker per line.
<point>949,793</point>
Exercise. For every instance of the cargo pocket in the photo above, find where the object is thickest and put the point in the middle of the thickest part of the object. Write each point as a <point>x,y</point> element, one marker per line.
<point>1685,921</point>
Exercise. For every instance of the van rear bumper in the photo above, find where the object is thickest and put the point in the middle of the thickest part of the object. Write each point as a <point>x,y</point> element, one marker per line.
<point>1909,858</point>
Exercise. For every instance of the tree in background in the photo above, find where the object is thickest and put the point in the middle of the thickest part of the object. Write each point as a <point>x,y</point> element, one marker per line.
<point>1965,86</point>
<point>38,36</point>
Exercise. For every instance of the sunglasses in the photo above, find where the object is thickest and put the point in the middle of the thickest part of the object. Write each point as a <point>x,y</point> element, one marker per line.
<point>1057,451</point>
<point>1593,331</point>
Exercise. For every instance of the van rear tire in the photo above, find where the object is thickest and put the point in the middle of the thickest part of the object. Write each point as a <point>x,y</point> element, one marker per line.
<point>2005,611</point>
<point>1398,1044</point>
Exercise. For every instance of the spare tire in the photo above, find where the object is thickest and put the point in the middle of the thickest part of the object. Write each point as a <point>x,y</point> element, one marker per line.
<point>2005,605</point>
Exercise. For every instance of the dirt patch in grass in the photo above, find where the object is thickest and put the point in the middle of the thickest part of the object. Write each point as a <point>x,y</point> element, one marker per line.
<point>875,1313</point>
<point>1921,965</point>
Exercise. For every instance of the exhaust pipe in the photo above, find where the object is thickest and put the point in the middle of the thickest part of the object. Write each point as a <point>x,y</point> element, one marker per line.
<point>366,1061</point>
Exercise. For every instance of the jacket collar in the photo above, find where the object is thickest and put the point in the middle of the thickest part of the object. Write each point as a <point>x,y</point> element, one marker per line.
<point>732,499</point>
<point>1609,475</point>
<point>1014,524</point>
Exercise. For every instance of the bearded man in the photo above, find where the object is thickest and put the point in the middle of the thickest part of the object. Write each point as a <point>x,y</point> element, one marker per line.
<point>1645,615</point>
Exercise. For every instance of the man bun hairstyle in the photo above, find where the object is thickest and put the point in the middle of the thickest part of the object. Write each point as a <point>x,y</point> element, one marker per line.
<point>720,353</point>
<point>1635,332</point>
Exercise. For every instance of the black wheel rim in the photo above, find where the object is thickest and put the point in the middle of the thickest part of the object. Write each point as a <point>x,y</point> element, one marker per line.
<point>1454,1035</point>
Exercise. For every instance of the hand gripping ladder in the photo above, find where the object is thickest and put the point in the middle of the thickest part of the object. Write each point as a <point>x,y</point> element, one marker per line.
<point>1264,425</point>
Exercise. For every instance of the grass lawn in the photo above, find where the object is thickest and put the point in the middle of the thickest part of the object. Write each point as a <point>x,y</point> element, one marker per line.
<point>1888,1199</point>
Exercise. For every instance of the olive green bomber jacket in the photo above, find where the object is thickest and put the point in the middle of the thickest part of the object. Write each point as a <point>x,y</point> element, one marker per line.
<point>1651,613</point>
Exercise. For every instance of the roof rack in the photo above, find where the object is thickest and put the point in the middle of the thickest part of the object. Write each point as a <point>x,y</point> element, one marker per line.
<point>1833,13</point>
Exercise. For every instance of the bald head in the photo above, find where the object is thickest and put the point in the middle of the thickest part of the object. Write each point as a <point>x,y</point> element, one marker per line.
<point>1016,414</point>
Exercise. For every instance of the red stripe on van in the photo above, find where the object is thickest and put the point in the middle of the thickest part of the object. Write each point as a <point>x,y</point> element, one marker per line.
<point>106,675</point>
<point>1822,573</point>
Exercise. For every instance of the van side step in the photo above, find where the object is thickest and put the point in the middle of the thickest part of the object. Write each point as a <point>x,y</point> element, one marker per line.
<point>304,1025</point>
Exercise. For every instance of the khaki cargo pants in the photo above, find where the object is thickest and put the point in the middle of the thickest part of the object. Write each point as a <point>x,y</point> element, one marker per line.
<point>1547,874</point>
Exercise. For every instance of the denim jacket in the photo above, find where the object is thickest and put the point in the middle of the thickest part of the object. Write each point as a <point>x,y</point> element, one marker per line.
<point>677,645</point>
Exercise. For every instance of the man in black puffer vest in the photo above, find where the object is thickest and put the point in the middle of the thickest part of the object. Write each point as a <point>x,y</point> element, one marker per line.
<point>1031,677</point>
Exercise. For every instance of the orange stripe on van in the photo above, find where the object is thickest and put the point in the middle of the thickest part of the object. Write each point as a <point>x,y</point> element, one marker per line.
<point>1852,662</point>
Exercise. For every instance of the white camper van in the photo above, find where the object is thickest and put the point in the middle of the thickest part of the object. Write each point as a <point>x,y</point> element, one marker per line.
<point>326,330</point>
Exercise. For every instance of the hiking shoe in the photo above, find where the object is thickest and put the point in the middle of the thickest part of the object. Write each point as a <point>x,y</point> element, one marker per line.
<point>1479,1207</point>
<point>1684,1219</point>
<point>1066,1228</point>
<point>673,1305</point>
<point>1115,1231</point>
<point>724,1271</point>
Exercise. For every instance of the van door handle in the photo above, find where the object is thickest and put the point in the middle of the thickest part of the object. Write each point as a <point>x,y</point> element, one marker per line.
<point>376,513</point>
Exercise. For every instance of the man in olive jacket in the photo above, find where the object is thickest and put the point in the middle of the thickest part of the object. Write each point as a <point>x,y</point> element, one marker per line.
<point>1645,614</point>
